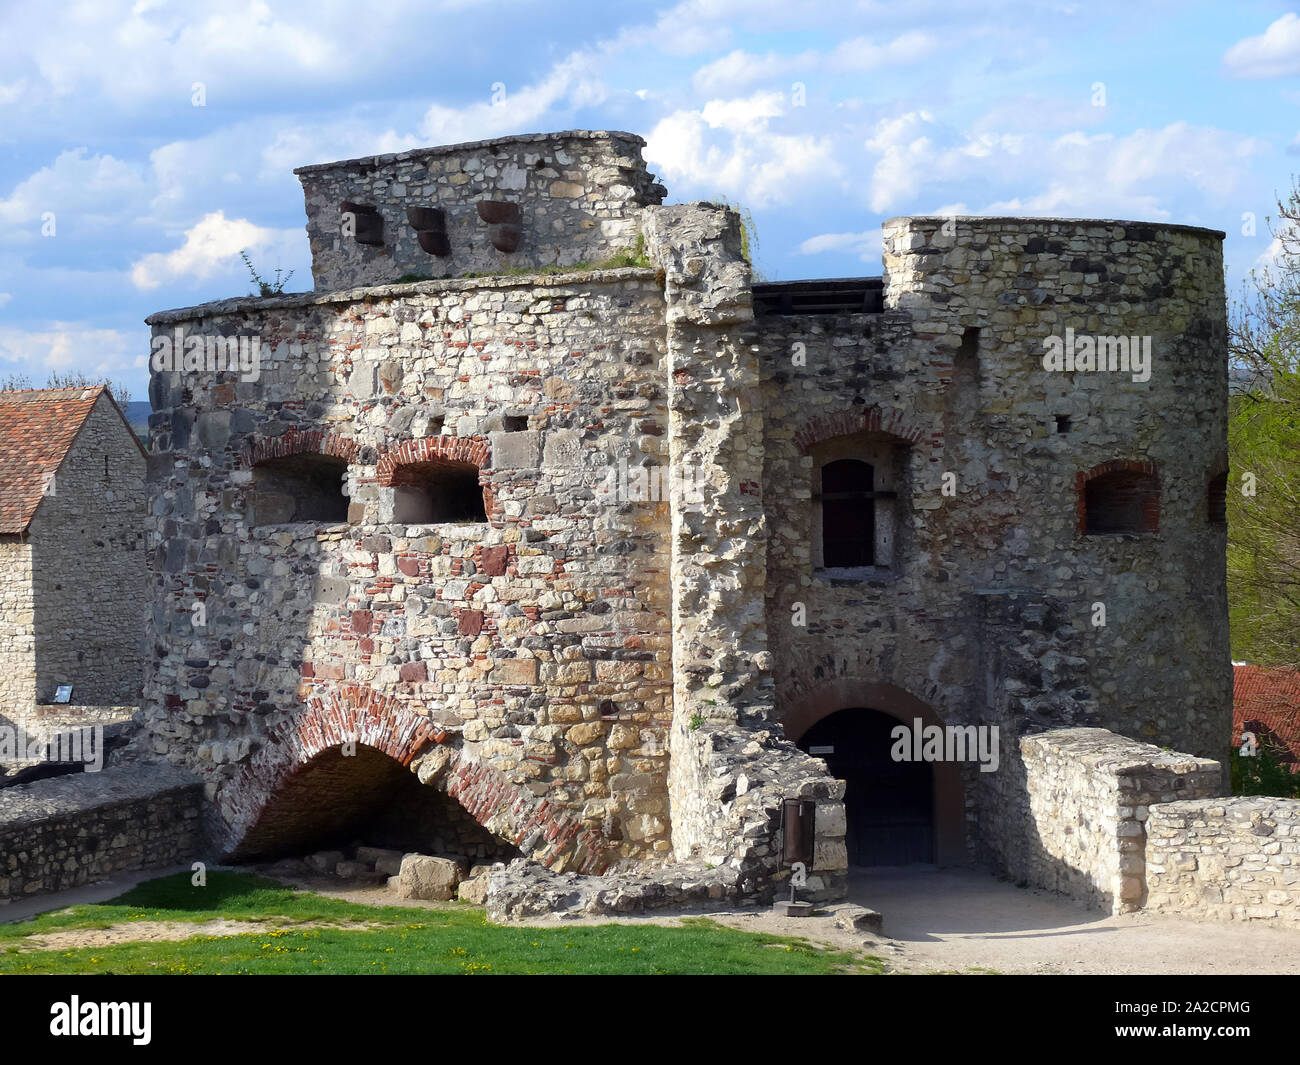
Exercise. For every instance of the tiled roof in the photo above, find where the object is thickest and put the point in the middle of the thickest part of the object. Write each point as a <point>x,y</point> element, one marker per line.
<point>37,426</point>
<point>1266,701</point>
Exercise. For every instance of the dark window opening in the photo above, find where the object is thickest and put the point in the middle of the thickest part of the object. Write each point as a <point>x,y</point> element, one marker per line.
<point>1123,501</point>
<point>848,513</point>
<point>299,488</point>
<point>970,344</point>
<point>1216,499</point>
<point>425,493</point>
<point>1062,423</point>
<point>435,426</point>
<point>516,423</point>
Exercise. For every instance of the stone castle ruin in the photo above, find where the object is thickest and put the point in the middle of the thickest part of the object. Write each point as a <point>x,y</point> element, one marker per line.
<point>544,529</point>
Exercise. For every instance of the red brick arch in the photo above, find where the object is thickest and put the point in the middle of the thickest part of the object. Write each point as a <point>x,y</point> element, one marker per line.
<point>863,419</point>
<point>545,832</point>
<point>473,450</point>
<point>1151,511</point>
<point>295,442</point>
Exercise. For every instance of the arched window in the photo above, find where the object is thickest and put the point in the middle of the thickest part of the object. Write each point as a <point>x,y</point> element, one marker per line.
<point>302,487</point>
<point>855,524</point>
<point>1124,500</point>
<point>439,490</point>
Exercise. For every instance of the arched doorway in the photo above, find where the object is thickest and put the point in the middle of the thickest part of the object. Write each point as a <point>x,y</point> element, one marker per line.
<point>881,708</point>
<point>888,805</point>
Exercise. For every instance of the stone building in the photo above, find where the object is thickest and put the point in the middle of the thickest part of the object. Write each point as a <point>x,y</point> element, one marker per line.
<point>74,579</point>
<point>539,500</point>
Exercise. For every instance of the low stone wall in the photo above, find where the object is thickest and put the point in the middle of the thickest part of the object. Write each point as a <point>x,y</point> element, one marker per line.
<point>73,830</point>
<point>1232,859</point>
<point>1090,793</point>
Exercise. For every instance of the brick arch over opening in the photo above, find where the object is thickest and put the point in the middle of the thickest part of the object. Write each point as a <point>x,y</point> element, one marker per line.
<point>862,419</point>
<point>844,693</point>
<point>1081,479</point>
<point>473,450</point>
<point>312,442</point>
<point>353,713</point>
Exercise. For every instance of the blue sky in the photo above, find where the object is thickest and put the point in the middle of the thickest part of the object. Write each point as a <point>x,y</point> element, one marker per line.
<point>822,118</point>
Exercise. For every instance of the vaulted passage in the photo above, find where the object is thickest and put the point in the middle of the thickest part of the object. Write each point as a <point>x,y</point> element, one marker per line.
<point>889,805</point>
<point>338,799</point>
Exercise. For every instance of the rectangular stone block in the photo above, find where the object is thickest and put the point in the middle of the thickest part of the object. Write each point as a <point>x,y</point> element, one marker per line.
<point>516,451</point>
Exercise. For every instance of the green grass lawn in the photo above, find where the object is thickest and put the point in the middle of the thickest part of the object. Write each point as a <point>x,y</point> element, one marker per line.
<point>456,939</point>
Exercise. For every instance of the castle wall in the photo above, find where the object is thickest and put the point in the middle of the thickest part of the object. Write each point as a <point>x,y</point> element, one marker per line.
<point>90,574</point>
<point>72,830</point>
<point>987,615</point>
<point>1225,859</point>
<point>577,195</point>
<point>537,644</point>
<point>730,769</point>
<point>1092,798</point>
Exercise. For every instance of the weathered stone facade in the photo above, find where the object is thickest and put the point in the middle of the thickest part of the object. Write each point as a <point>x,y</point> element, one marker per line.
<point>608,664</point>
<point>73,830</point>
<point>1090,796</point>
<point>562,199</point>
<point>1226,859</point>
<point>74,583</point>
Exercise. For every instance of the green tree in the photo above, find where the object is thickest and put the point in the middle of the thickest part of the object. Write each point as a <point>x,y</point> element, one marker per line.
<point>1262,774</point>
<point>1263,497</point>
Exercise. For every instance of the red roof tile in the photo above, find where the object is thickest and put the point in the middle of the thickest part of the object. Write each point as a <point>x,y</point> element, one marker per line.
<point>37,426</point>
<point>1266,701</point>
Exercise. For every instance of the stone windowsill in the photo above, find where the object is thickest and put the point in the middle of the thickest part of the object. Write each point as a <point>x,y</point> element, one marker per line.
<point>874,575</point>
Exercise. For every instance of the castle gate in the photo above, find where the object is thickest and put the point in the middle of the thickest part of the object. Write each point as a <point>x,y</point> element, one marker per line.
<point>898,812</point>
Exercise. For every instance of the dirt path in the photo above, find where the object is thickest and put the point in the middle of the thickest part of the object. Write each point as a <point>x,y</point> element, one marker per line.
<point>161,931</point>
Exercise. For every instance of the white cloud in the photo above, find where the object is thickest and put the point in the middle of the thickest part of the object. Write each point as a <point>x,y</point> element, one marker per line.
<point>69,346</point>
<point>866,245</point>
<point>1132,175</point>
<point>862,53</point>
<point>729,147</point>
<point>570,84</point>
<point>211,247</point>
<point>739,69</point>
<point>1275,53</point>
<point>93,189</point>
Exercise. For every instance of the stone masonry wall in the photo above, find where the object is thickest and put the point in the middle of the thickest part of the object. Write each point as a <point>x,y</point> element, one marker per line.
<point>1225,859</point>
<point>17,637</point>
<point>90,574</point>
<point>577,195</point>
<point>67,831</point>
<point>1022,441</point>
<point>1088,796</point>
<point>536,645</point>
<point>730,766</point>
<point>986,611</point>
